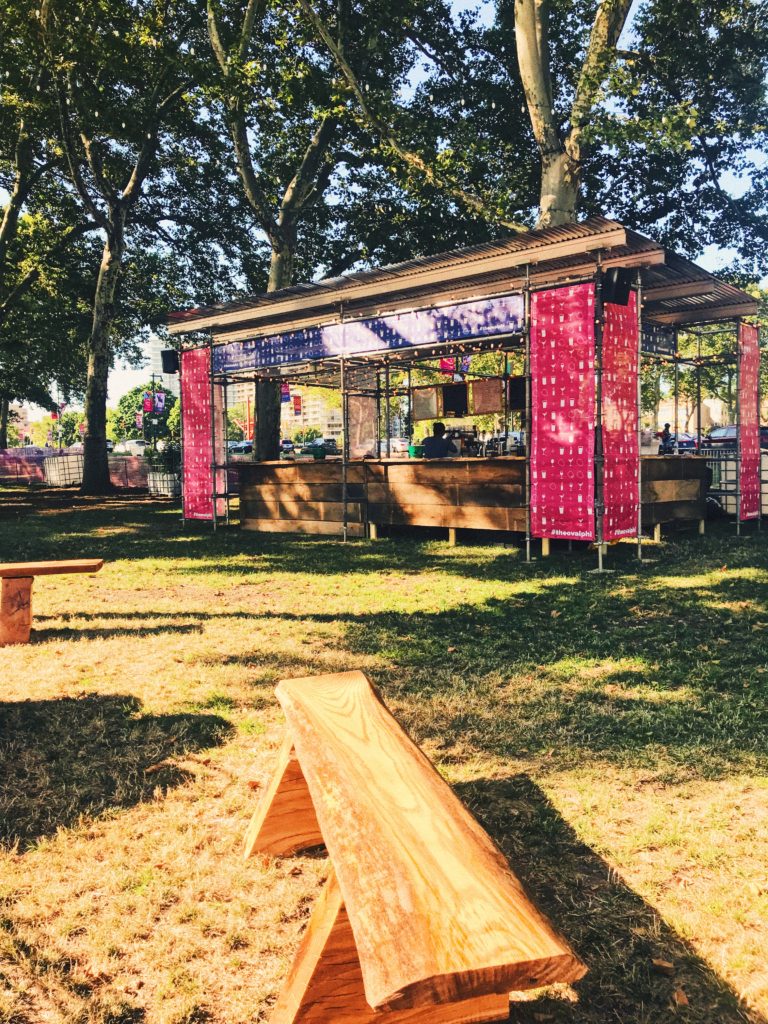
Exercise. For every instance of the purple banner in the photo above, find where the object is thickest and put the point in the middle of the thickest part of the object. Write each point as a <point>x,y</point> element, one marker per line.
<point>483,318</point>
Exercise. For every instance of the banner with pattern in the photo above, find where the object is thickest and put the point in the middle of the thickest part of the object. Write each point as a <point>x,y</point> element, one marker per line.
<point>621,452</point>
<point>749,421</point>
<point>563,412</point>
<point>199,449</point>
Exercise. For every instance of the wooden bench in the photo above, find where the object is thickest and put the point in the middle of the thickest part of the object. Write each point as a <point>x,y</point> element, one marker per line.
<point>421,918</point>
<point>16,593</point>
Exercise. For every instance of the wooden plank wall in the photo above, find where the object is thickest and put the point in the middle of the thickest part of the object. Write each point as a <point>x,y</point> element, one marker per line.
<point>476,494</point>
<point>673,487</point>
<point>459,493</point>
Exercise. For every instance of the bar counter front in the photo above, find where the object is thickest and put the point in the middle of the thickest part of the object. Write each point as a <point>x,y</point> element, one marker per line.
<point>459,493</point>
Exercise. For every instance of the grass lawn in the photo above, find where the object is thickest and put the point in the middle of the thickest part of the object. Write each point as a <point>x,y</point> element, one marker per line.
<point>610,732</point>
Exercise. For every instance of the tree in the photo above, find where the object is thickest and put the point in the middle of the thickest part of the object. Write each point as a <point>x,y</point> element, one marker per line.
<point>131,404</point>
<point>117,82</point>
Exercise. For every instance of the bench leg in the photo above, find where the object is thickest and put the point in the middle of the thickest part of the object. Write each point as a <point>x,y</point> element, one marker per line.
<point>325,983</point>
<point>15,610</point>
<point>452,536</point>
<point>373,531</point>
<point>285,819</point>
<point>657,532</point>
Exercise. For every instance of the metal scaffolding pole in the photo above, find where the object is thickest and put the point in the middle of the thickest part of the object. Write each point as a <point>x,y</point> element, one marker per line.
<point>599,462</point>
<point>527,413</point>
<point>213,433</point>
<point>639,296</point>
<point>344,447</point>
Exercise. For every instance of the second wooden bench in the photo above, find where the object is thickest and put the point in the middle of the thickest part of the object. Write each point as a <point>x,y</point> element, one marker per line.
<point>16,593</point>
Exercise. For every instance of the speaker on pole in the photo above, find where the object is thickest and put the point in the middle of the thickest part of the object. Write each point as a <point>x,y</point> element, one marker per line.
<point>617,284</point>
<point>170,360</point>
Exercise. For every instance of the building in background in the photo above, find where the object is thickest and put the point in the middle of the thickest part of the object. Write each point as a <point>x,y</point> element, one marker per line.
<point>169,381</point>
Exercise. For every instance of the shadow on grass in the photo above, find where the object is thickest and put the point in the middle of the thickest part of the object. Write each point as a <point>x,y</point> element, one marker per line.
<point>98,633</point>
<point>81,756</point>
<point>611,928</point>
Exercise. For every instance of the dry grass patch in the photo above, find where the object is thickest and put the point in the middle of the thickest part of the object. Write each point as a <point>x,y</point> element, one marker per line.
<point>611,733</point>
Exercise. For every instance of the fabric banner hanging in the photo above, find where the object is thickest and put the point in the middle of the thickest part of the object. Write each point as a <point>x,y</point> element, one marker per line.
<point>563,412</point>
<point>199,449</point>
<point>621,452</point>
<point>749,421</point>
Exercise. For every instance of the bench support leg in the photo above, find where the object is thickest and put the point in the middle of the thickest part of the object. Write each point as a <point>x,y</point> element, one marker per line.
<point>373,531</point>
<point>325,983</point>
<point>15,610</point>
<point>657,532</point>
<point>285,819</point>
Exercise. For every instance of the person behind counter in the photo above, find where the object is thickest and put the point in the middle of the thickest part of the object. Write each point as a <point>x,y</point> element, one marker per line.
<point>439,446</point>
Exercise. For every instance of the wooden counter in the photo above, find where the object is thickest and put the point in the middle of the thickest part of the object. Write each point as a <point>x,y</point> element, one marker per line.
<point>475,494</point>
<point>306,497</point>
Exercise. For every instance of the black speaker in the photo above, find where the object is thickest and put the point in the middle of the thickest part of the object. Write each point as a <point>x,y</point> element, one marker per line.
<point>455,400</point>
<point>617,284</point>
<point>517,394</point>
<point>170,359</point>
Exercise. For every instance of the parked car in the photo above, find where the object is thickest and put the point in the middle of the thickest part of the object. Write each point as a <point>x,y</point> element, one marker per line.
<point>686,444</point>
<point>286,445</point>
<point>133,446</point>
<point>241,448</point>
<point>721,437</point>
<point>726,437</point>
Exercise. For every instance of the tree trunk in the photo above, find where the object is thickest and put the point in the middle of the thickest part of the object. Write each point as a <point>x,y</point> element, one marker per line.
<point>266,438</point>
<point>95,464</point>
<point>5,406</point>
<point>560,184</point>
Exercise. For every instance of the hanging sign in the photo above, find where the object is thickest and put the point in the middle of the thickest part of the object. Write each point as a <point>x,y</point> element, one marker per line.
<point>54,414</point>
<point>147,403</point>
<point>448,366</point>
<point>563,407</point>
<point>621,454</point>
<point>749,422</point>
<point>297,405</point>
<point>140,420</point>
<point>419,328</point>
<point>285,392</point>
<point>159,402</point>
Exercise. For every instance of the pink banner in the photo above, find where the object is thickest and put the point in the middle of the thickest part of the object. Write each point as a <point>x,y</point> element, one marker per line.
<point>198,453</point>
<point>749,421</point>
<point>621,453</point>
<point>563,412</point>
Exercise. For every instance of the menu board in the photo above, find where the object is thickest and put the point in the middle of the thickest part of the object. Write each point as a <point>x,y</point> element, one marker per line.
<point>621,452</point>
<point>426,404</point>
<point>487,396</point>
<point>563,412</point>
<point>749,421</point>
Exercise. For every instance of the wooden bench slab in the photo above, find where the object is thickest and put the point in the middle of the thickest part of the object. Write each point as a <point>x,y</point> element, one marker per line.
<point>17,570</point>
<point>436,914</point>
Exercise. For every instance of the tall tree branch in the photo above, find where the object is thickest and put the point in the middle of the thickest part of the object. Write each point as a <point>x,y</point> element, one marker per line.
<point>410,158</point>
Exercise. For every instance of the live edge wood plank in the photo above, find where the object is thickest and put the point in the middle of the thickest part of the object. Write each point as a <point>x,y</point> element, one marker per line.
<point>325,983</point>
<point>436,913</point>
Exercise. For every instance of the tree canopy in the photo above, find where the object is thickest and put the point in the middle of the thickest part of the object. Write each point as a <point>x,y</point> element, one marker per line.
<point>156,155</point>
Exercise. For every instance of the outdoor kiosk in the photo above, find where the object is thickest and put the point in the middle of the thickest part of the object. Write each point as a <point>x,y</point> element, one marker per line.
<point>578,306</point>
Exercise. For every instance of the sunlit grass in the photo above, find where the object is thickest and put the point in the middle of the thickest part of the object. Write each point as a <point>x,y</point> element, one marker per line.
<point>611,732</point>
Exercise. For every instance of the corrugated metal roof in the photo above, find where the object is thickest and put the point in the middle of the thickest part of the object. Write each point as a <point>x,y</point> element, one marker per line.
<point>675,289</point>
